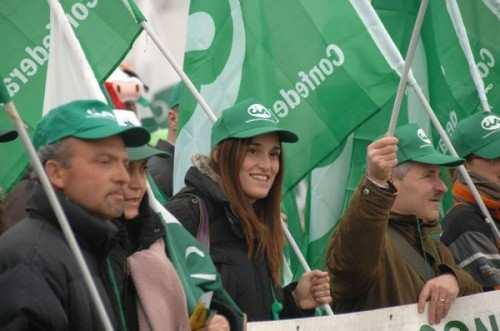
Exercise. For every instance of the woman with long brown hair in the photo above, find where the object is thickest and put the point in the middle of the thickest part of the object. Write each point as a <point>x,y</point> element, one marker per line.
<point>232,205</point>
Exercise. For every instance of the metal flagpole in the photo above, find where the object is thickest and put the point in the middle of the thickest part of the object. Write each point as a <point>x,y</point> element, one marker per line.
<point>211,115</point>
<point>391,53</point>
<point>458,24</point>
<point>408,61</point>
<point>56,206</point>
<point>461,169</point>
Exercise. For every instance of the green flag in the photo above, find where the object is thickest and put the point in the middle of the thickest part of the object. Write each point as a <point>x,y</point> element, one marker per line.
<point>192,262</point>
<point>106,31</point>
<point>313,64</point>
<point>441,70</point>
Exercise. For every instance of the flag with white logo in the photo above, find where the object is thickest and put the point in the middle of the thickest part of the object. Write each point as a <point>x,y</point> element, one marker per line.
<point>106,30</point>
<point>313,66</point>
<point>442,72</point>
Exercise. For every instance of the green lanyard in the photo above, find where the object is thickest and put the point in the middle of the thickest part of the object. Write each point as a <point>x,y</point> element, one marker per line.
<point>276,306</point>
<point>116,291</point>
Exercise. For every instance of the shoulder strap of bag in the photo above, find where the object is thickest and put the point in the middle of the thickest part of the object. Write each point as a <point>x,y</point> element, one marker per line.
<point>410,255</point>
<point>203,232</point>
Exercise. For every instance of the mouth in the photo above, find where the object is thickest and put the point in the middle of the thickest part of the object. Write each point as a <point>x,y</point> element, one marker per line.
<point>260,178</point>
<point>133,200</point>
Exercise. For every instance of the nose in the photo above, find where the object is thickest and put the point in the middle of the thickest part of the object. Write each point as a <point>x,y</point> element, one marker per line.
<point>440,187</point>
<point>121,174</point>
<point>265,162</point>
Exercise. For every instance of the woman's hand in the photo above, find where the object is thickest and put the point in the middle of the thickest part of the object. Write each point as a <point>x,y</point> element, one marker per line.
<point>313,290</point>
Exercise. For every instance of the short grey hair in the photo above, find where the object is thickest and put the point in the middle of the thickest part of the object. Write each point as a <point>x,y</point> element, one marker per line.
<point>58,151</point>
<point>401,170</point>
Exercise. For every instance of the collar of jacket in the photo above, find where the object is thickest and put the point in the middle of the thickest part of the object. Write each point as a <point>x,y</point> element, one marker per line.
<point>416,232</point>
<point>142,231</point>
<point>96,235</point>
<point>204,180</point>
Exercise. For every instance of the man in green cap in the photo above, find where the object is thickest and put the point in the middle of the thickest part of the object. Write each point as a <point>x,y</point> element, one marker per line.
<point>466,233</point>
<point>162,168</point>
<point>82,148</point>
<point>382,254</point>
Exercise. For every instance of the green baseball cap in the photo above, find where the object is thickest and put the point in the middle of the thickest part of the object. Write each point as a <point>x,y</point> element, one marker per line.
<point>87,119</point>
<point>414,145</point>
<point>247,119</point>
<point>144,152</point>
<point>7,135</point>
<point>478,134</point>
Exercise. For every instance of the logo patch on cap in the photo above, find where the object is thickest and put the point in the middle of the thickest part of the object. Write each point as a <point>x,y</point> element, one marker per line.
<point>260,113</point>
<point>92,113</point>
<point>421,134</point>
<point>491,122</point>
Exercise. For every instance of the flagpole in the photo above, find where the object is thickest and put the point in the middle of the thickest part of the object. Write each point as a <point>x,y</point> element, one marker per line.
<point>458,24</point>
<point>302,261</point>
<point>410,54</point>
<point>461,169</point>
<point>56,206</point>
<point>211,115</point>
<point>391,53</point>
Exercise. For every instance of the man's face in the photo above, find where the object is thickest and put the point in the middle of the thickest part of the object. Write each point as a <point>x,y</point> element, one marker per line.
<point>489,169</point>
<point>419,192</point>
<point>136,188</point>
<point>95,176</point>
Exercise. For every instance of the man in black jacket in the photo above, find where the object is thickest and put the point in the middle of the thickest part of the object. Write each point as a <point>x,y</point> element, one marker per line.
<point>82,147</point>
<point>466,233</point>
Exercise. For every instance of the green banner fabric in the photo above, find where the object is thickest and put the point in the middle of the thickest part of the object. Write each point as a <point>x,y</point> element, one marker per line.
<point>441,69</point>
<point>106,31</point>
<point>314,65</point>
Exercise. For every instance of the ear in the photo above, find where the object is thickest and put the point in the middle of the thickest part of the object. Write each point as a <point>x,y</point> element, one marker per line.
<point>215,155</point>
<point>56,173</point>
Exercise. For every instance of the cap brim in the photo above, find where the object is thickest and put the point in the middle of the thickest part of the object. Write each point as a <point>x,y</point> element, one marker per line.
<point>436,158</point>
<point>490,151</point>
<point>8,135</point>
<point>144,153</point>
<point>285,135</point>
<point>132,136</point>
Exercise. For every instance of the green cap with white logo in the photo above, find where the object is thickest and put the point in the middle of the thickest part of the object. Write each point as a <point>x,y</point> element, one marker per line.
<point>414,145</point>
<point>478,134</point>
<point>86,119</point>
<point>248,119</point>
<point>144,153</point>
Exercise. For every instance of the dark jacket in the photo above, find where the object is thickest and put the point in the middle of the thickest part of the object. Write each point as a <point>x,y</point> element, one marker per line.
<point>246,279</point>
<point>162,168</point>
<point>367,270</point>
<point>469,237</point>
<point>40,282</point>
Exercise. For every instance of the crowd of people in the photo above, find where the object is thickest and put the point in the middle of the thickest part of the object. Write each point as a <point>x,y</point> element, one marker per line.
<point>386,251</point>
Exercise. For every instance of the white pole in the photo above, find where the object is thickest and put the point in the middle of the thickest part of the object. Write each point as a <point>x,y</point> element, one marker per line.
<point>179,71</point>
<point>409,60</point>
<point>61,217</point>
<point>211,115</point>
<point>461,169</point>
<point>458,24</point>
<point>391,53</point>
<point>302,261</point>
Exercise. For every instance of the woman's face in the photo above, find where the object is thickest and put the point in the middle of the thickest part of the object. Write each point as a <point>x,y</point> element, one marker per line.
<point>136,188</point>
<point>260,166</point>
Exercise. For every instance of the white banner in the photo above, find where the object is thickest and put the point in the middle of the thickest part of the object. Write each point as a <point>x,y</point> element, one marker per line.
<point>480,312</point>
